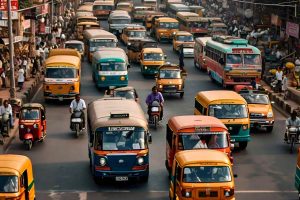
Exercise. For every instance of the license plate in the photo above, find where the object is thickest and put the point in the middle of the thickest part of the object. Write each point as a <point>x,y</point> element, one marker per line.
<point>121,178</point>
<point>171,91</point>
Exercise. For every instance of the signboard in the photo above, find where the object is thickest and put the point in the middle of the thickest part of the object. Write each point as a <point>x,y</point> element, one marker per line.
<point>292,29</point>
<point>26,24</point>
<point>3,23</point>
<point>14,5</point>
<point>121,128</point>
<point>120,115</point>
<point>242,50</point>
<point>43,9</point>
<point>4,15</point>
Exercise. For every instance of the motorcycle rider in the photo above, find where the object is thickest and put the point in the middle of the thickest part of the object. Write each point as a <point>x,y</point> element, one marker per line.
<point>78,104</point>
<point>155,95</point>
<point>292,121</point>
<point>6,108</point>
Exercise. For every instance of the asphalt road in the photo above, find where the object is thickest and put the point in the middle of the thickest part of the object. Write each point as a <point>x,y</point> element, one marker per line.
<point>265,169</point>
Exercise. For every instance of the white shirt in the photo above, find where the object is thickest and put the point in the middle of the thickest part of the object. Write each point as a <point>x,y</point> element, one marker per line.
<point>5,110</point>
<point>285,83</point>
<point>78,106</point>
<point>279,75</point>
<point>200,145</point>
<point>25,62</point>
<point>21,77</point>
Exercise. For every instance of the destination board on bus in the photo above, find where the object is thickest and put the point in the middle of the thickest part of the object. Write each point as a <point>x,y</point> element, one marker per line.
<point>242,51</point>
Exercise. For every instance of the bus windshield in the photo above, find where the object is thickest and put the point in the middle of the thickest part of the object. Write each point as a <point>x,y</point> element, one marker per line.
<point>61,72</point>
<point>168,25</point>
<point>252,59</point>
<point>136,33</point>
<point>102,7</point>
<point>169,74</point>
<point>120,21</point>
<point>234,59</point>
<point>198,24</point>
<point>153,56</point>
<point>228,111</point>
<point>121,140</point>
<point>213,140</point>
<point>74,46</point>
<point>112,66</point>
<point>9,184</point>
<point>206,174</point>
<point>185,38</point>
<point>103,43</point>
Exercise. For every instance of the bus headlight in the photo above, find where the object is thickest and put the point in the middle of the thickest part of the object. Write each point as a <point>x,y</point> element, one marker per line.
<point>35,126</point>
<point>179,87</point>
<point>186,193</point>
<point>102,78</point>
<point>140,160</point>
<point>245,127</point>
<point>21,126</point>
<point>160,86</point>
<point>102,162</point>
<point>145,67</point>
<point>122,78</point>
<point>270,114</point>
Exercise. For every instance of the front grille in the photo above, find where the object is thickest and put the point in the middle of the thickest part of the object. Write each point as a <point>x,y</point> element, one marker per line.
<point>234,129</point>
<point>257,116</point>
<point>210,194</point>
<point>169,87</point>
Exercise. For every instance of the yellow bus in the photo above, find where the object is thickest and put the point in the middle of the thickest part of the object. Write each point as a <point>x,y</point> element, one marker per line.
<point>62,74</point>
<point>82,26</point>
<point>193,23</point>
<point>102,8</point>
<point>164,28</point>
<point>231,108</point>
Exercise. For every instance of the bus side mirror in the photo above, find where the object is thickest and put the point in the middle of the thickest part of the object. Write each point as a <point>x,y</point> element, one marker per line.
<point>221,61</point>
<point>272,102</point>
<point>165,57</point>
<point>150,138</point>
<point>128,66</point>
<point>235,175</point>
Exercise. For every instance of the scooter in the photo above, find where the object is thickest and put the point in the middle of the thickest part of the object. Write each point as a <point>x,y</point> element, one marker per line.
<point>4,124</point>
<point>77,122</point>
<point>155,111</point>
<point>292,137</point>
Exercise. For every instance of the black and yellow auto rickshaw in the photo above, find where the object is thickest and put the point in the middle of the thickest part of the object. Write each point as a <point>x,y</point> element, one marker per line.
<point>16,177</point>
<point>135,48</point>
<point>32,124</point>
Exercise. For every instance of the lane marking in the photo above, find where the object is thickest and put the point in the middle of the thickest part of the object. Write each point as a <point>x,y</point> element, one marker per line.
<point>266,191</point>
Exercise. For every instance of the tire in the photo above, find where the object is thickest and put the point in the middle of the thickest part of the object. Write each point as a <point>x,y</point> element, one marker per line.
<point>28,144</point>
<point>243,145</point>
<point>144,179</point>
<point>77,129</point>
<point>269,129</point>
<point>181,95</point>
<point>155,121</point>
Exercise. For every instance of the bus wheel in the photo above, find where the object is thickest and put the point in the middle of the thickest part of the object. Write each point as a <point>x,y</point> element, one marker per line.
<point>243,145</point>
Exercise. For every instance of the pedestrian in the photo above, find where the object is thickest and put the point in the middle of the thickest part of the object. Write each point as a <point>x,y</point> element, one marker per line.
<point>3,80</point>
<point>278,76</point>
<point>35,66</point>
<point>21,78</point>
<point>24,65</point>
<point>297,65</point>
<point>285,86</point>
<point>6,108</point>
<point>181,57</point>
<point>253,84</point>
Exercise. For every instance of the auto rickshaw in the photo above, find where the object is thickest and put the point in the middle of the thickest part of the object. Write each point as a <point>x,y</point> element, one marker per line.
<point>16,177</point>
<point>32,124</point>
<point>170,79</point>
<point>135,48</point>
<point>123,92</point>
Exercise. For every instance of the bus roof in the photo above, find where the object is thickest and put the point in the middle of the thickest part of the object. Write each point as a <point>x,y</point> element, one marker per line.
<point>190,121</point>
<point>74,42</point>
<point>88,23</point>
<point>187,14</point>
<point>64,52</point>
<point>202,40</point>
<point>98,34</point>
<point>99,113</point>
<point>110,53</point>
<point>227,44</point>
<point>86,17</point>
<point>191,157</point>
<point>85,8</point>
<point>63,60</point>
<point>136,27</point>
<point>183,33</point>
<point>166,19</point>
<point>179,7</point>
<point>14,162</point>
<point>103,2</point>
<point>84,13</point>
<point>153,50</point>
<point>119,13</point>
<point>216,95</point>
<point>218,25</point>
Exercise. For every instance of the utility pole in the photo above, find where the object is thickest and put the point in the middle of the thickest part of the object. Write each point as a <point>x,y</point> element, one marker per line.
<point>51,15</point>
<point>11,52</point>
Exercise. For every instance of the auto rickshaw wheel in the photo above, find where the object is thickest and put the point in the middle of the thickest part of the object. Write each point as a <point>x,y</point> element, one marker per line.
<point>269,129</point>
<point>144,179</point>
<point>243,145</point>
<point>28,144</point>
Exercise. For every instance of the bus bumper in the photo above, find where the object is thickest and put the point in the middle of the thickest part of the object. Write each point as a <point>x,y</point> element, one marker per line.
<point>121,175</point>
<point>48,95</point>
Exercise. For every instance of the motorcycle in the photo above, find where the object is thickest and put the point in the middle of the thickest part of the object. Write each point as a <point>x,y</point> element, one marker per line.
<point>4,124</point>
<point>154,115</point>
<point>292,137</point>
<point>77,122</point>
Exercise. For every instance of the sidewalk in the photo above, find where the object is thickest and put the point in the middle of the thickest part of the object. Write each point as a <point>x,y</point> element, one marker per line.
<point>285,106</point>
<point>30,87</point>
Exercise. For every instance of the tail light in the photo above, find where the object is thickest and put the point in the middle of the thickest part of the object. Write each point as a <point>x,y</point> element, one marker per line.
<point>186,193</point>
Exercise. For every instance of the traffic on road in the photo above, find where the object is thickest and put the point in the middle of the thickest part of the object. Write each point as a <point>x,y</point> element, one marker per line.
<point>151,100</point>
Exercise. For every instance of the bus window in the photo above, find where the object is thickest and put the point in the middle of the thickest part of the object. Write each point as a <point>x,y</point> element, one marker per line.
<point>251,59</point>
<point>234,59</point>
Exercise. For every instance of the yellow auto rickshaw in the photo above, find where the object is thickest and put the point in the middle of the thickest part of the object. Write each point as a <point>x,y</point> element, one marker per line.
<point>16,177</point>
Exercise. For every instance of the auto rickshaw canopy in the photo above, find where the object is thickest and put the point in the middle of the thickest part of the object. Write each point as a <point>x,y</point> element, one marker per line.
<point>16,164</point>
